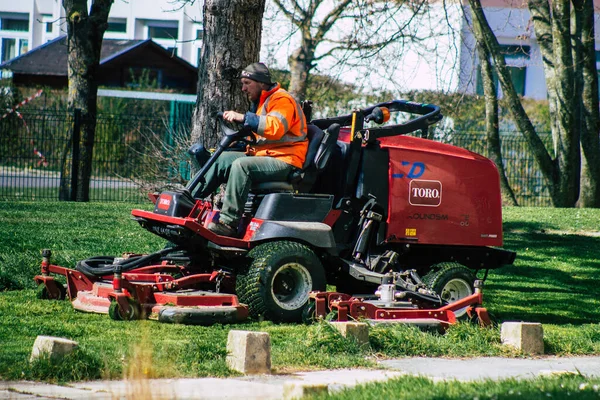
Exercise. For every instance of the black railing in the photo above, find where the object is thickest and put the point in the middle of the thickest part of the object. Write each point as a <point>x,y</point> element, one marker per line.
<point>136,154</point>
<point>36,149</point>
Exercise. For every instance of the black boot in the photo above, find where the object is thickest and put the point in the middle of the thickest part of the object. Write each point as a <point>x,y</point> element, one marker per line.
<point>222,229</point>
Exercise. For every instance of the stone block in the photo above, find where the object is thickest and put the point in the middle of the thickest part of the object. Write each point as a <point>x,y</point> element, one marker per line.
<point>525,336</point>
<point>54,346</point>
<point>358,331</point>
<point>297,390</point>
<point>249,352</point>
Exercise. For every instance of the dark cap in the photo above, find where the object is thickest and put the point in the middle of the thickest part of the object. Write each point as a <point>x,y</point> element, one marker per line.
<point>257,72</point>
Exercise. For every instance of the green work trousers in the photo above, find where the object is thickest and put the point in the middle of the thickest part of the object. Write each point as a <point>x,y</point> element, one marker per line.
<point>240,171</point>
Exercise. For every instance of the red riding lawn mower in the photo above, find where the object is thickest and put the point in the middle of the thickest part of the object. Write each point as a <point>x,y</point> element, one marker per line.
<point>371,211</point>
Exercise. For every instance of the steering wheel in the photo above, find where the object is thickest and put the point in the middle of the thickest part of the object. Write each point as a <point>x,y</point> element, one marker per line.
<point>242,134</point>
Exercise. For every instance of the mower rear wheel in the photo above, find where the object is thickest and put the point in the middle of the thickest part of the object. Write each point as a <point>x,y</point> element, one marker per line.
<point>452,281</point>
<point>116,313</point>
<point>276,283</point>
<point>43,293</point>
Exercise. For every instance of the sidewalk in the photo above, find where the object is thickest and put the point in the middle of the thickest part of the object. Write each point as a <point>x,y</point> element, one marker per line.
<point>271,387</point>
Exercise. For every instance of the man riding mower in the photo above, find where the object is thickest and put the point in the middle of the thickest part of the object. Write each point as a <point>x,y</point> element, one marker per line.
<point>371,208</point>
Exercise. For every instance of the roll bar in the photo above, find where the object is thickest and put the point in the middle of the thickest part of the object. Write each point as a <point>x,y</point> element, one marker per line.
<point>429,114</point>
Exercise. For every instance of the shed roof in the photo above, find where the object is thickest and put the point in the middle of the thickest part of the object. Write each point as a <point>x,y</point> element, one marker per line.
<point>51,57</point>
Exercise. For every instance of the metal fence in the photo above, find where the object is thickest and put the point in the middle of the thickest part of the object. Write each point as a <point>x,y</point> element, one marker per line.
<point>135,154</point>
<point>35,149</point>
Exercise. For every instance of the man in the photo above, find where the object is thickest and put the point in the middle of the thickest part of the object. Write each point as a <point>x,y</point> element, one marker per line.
<point>279,125</point>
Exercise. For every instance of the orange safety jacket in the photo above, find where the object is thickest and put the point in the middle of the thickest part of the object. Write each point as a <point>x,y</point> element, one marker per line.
<point>282,128</point>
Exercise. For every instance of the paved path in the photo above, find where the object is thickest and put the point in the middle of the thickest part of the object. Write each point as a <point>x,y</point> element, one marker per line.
<point>267,387</point>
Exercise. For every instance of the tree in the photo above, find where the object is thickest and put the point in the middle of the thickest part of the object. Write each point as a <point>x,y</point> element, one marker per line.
<point>566,38</point>
<point>85,31</point>
<point>491,123</point>
<point>231,41</point>
<point>364,28</point>
<point>585,58</point>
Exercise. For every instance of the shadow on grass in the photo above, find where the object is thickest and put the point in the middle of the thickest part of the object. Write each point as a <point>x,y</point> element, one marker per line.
<point>554,278</point>
<point>527,226</point>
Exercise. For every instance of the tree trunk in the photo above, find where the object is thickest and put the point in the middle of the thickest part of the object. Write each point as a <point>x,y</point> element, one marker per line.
<point>562,172</point>
<point>567,135</point>
<point>491,124</point>
<point>232,31</point>
<point>84,39</point>
<point>300,62</point>
<point>589,116</point>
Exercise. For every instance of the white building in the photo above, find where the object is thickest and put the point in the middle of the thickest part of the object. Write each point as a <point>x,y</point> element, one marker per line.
<point>512,25</point>
<point>26,24</point>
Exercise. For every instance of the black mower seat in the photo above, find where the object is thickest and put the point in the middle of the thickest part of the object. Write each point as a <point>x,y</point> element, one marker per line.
<point>320,147</point>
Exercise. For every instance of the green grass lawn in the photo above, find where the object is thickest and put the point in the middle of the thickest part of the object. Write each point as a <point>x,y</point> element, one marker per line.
<point>553,281</point>
<point>417,388</point>
<point>555,277</point>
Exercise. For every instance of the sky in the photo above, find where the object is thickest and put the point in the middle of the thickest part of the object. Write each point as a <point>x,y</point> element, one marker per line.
<point>432,64</point>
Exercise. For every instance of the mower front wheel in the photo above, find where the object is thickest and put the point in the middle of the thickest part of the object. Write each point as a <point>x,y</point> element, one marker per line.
<point>452,281</point>
<point>276,283</point>
<point>43,293</point>
<point>134,311</point>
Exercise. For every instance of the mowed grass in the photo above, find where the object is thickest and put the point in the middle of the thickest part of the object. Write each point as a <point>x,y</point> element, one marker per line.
<point>552,281</point>
<point>555,277</point>
<point>417,388</point>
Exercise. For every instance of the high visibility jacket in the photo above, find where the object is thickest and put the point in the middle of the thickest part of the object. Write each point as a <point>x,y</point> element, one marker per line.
<point>281,131</point>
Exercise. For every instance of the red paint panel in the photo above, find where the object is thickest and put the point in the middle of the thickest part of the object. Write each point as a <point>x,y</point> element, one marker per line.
<point>441,194</point>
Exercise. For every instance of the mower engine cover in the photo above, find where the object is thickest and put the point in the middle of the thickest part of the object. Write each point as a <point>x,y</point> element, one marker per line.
<point>441,194</point>
<point>174,204</point>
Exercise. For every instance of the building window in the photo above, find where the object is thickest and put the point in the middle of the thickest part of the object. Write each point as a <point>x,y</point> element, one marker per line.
<point>199,33</point>
<point>516,58</point>
<point>598,67</point>
<point>23,46</point>
<point>172,51</point>
<point>15,22</point>
<point>47,21</point>
<point>163,32</point>
<point>9,49</point>
<point>12,48</point>
<point>117,26</point>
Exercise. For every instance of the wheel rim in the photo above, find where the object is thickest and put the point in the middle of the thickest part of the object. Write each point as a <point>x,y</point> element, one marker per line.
<point>454,290</point>
<point>291,285</point>
<point>131,314</point>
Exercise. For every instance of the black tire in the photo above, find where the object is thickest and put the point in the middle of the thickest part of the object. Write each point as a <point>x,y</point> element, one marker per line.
<point>134,312</point>
<point>43,293</point>
<point>452,281</point>
<point>276,283</point>
<point>309,313</point>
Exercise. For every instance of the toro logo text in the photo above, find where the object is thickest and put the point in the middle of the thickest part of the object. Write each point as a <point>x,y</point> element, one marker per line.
<point>425,193</point>
<point>164,201</point>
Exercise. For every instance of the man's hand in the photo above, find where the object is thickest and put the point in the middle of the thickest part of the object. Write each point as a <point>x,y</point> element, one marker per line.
<point>232,116</point>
